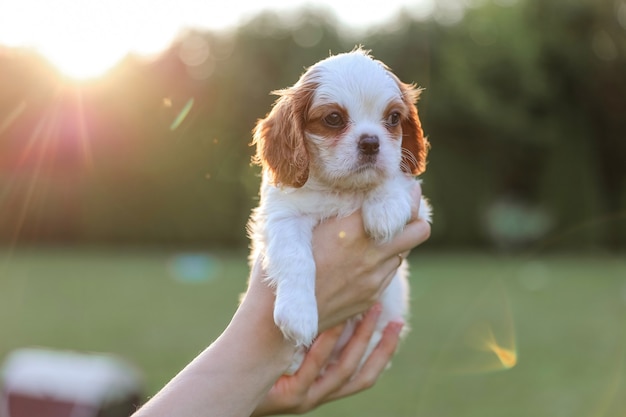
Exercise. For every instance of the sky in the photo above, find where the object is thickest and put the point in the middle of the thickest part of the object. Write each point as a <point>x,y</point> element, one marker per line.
<point>84,38</point>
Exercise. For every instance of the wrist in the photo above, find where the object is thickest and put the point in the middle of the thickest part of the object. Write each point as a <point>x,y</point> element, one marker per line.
<point>254,331</point>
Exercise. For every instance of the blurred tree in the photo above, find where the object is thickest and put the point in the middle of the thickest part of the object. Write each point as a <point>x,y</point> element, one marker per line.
<point>524,105</point>
<point>583,56</point>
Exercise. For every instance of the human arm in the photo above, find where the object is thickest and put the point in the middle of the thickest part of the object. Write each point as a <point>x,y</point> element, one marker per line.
<point>236,372</point>
<point>233,374</point>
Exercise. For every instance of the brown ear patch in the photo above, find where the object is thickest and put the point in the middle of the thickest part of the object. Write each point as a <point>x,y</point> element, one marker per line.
<point>280,139</point>
<point>414,145</point>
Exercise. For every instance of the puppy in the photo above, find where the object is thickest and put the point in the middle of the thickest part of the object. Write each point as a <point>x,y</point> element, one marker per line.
<point>345,137</point>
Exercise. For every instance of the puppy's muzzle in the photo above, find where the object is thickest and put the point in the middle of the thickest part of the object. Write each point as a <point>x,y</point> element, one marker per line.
<point>369,145</point>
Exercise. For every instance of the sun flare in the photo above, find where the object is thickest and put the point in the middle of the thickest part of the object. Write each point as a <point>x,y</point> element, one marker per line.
<point>506,355</point>
<point>84,39</point>
<point>79,63</point>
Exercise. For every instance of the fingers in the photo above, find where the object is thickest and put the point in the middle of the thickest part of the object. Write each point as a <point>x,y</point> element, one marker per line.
<point>318,355</point>
<point>416,195</point>
<point>375,364</point>
<point>338,375</point>
<point>415,233</point>
<point>318,381</point>
<point>394,252</point>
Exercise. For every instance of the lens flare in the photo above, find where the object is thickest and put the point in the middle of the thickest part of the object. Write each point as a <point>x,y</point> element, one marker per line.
<point>182,115</point>
<point>12,116</point>
<point>47,162</point>
<point>506,355</point>
<point>484,338</point>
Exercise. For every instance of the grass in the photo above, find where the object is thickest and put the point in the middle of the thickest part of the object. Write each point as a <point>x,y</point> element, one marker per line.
<point>491,335</point>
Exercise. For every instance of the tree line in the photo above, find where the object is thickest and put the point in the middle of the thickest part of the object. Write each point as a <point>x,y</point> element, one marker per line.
<point>524,104</point>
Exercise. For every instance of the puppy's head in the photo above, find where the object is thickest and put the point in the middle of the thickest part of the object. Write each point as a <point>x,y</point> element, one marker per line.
<point>347,123</point>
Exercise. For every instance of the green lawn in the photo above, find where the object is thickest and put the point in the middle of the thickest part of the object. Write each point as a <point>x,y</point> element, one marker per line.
<point>491,335</point>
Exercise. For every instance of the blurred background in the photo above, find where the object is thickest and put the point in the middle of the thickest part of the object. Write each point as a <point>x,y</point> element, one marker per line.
<point>126,184</point>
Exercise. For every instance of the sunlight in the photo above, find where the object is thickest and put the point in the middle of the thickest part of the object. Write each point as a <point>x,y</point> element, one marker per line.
<point>84,62</point>
<point>56,148</point>
<point>85,38</point>
<point>13,115</point>
<point>41,132</point>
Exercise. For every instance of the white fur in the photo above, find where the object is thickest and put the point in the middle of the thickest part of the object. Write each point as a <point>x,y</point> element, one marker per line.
<point>339,183</point>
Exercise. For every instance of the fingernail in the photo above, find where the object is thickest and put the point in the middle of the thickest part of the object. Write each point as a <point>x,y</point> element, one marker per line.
<point>376,309</point>
<point>395,326</point>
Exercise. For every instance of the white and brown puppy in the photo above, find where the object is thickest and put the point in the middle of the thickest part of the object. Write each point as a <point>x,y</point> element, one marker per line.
<point>345,137</point>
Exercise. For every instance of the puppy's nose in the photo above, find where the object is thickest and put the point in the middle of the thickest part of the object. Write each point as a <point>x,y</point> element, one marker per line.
<point>369,145</point>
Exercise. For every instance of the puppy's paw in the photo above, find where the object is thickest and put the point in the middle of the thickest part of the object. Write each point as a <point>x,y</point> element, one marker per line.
<point>381,231</point>
<point>384,219</point>
<point>298,358</point>
<point>297,319</point>
<point>425,210</point>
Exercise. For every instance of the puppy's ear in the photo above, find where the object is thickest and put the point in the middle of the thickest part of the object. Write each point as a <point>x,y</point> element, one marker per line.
<point>414,145</point>
<point>280,140</point>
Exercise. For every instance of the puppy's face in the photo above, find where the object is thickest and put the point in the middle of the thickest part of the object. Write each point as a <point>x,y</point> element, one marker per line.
<point>348,123</point>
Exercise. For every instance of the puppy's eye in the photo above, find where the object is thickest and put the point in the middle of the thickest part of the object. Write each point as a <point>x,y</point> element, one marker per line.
<point>393,119</point>
<point>334,120</point>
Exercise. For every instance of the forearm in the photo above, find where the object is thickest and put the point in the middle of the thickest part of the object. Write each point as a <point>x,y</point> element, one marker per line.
<point>232,375</point>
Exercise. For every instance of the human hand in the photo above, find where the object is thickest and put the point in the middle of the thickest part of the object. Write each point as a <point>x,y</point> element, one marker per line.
<point>352,272</point>
<point>352,269</point>
<point>317,381</point>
